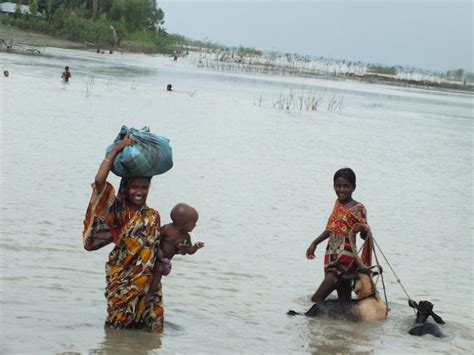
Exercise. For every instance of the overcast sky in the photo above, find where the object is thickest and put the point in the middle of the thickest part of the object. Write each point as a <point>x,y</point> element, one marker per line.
<point>434,35</point>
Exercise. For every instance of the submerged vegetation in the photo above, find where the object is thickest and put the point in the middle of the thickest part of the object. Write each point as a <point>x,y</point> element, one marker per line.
<point>305,101</point>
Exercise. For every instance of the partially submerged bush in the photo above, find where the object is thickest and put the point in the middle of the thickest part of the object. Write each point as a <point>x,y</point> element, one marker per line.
<point>379,69</point>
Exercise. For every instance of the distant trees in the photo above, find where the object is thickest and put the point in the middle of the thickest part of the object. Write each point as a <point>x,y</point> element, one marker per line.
<point>455,75</point>
<point>137,14</point>
<point>469,77</point>
<point>33,4</point>
<point>101,22</point>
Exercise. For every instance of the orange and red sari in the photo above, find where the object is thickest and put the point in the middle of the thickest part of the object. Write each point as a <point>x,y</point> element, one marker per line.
<point>129,269</point>
<point>339,256</point>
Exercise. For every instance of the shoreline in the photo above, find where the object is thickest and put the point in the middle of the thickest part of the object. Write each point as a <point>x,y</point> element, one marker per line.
<point>25,38</point>
<point>28,42</point>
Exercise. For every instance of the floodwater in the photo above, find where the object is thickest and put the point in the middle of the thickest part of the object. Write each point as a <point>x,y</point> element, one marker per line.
<point>261,179</point>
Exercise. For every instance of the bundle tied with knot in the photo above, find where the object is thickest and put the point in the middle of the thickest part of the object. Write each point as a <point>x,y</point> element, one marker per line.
<point>150,155</point>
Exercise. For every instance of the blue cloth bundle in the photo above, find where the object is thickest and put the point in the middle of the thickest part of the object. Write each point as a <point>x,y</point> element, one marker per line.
<point>151,155</point>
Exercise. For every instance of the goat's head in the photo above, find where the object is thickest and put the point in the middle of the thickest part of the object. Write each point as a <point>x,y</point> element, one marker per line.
<point>363,284</point>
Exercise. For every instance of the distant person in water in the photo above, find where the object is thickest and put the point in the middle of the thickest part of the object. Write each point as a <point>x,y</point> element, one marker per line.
<point>175,239</point>
<point>66,75</point>
<point>169,87</point>
<point>6,73</point>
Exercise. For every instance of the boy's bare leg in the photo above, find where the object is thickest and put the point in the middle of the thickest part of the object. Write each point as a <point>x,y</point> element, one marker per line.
<point>327,286</point>
<point>344,290</point>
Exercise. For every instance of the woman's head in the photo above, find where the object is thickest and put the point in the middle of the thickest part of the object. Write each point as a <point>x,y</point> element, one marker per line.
<point>184,217</point>
<point>134,191</point>
<point>132,195</point>
<point>344,184</point>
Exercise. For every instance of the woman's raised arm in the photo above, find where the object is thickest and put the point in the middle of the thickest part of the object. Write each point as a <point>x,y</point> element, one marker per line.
<point>106,164</point>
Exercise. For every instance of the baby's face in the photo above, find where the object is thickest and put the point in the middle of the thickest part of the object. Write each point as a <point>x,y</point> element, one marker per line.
<point>185,220</point>
<point>189,226</point>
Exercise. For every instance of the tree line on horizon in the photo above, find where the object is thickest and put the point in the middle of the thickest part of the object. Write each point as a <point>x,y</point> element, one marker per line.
<point>103,23</point>
<point>134,25</point>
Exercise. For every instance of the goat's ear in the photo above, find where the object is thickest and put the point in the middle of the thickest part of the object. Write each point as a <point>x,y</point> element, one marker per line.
<point>351,276</point>
<point>373,270</point>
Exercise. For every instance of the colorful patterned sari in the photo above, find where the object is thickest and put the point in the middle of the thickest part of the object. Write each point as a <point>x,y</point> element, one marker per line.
<point>339,256</point>
<point>129,270</point>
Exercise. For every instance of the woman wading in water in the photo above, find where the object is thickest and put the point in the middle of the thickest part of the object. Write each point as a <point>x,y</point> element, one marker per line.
<point>127,221</point>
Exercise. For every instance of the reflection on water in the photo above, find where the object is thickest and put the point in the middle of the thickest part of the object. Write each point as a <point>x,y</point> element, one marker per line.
<point>118,342</point>
<point>261,181</point>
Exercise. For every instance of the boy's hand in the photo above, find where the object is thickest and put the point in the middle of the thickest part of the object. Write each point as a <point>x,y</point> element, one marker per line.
<point>360,227</point>
<point>310,251</point>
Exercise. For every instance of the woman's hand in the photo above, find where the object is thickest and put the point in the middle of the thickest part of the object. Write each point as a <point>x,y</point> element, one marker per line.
<point>106,164</point>
<point>125,142</point>
<point>310,251</point>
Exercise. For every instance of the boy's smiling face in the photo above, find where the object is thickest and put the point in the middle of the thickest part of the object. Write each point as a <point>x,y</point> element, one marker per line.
<point>343,189</point>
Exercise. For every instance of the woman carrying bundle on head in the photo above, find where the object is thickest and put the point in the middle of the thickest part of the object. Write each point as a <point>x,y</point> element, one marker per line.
<point>126,220</point>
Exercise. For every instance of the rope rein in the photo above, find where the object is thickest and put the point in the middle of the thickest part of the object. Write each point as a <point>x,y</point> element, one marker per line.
<point>391,268</point>
<point>370,239</point>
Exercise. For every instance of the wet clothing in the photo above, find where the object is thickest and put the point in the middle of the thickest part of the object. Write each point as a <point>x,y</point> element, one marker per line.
<point>339,256</point>
<point>167,266</point>
<point>129,269</point>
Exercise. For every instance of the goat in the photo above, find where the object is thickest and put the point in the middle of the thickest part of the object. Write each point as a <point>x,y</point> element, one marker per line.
<point>424,310</point>
<point>367,307</point>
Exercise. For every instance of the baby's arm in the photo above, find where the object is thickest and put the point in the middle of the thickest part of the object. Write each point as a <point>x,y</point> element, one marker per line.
<point>187,248</point>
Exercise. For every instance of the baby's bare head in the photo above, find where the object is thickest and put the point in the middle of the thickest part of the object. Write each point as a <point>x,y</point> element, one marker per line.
<point>184,217</point>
